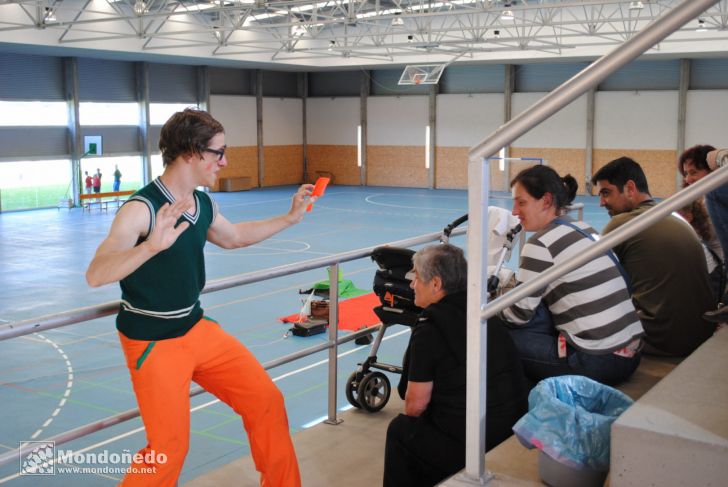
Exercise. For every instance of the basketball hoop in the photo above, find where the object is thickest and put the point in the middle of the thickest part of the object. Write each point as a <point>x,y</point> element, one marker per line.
<point>421,74</point>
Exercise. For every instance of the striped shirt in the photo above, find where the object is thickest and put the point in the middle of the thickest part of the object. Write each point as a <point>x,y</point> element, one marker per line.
<point>590,306</point>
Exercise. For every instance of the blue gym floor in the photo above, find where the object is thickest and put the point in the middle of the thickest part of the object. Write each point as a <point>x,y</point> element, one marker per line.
<point>64,378</point>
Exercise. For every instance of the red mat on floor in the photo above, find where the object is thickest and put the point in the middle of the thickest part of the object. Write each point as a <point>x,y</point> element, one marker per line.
<point>354,313</point>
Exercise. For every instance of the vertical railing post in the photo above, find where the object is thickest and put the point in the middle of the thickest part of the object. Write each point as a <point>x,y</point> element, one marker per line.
<point>333,335</point>
<point>477,342</point>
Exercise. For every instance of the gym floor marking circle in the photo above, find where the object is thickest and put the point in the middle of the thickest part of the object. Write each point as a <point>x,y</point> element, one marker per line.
<point>69,385</point>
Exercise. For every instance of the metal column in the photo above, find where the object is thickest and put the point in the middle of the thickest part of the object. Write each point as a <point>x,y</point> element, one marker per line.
<point>303,93</point>
<point>509,86</point>
<point>142,89</point>
<point>70,82</point>
<point>682,108</point>
<point>259,123</point>
<point>365,89</point>
<point>589,149</point>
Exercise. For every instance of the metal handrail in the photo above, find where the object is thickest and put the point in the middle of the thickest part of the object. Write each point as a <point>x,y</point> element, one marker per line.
<point>48,322</point>
<point>590,77</point>
<point>65,318</point>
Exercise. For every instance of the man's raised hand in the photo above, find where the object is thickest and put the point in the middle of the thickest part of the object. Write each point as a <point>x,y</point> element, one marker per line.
<point>300,202</point>
<point>164,233</point>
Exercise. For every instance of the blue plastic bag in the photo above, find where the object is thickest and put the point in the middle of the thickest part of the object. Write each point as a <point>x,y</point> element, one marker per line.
<point>569,418</point>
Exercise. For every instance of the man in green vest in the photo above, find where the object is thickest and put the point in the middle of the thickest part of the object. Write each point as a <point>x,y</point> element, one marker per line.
<point>155,251</point>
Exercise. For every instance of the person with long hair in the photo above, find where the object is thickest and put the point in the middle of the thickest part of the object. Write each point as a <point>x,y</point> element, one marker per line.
<point>583,322</point>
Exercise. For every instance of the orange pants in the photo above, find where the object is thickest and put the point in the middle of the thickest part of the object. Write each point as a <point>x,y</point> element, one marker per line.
<point>161,373</point>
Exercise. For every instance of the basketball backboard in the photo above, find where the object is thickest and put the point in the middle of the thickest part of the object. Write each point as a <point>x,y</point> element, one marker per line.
<point>421,74</point>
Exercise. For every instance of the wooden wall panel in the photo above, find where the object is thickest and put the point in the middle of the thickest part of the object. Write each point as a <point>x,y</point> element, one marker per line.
<point>564,161</point>
<point>659,166</point>
<point>451,167</point>
<point>283,165</point>
<point>241,161</point>
<point>451,170</point>
<point>340,160</point>
<point>389,165</point>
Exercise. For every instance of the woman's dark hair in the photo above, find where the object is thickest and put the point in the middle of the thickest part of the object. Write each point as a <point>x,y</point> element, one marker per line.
<point>697,215</point>
<point>539,180</point>
<point>697,155</point>
<point>187,131</point>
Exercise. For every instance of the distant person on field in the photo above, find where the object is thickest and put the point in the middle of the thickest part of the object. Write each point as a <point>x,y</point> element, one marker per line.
<point>117,179</point>
<point>89,183</point>
<point>665,263</point>
<point>97,181</point>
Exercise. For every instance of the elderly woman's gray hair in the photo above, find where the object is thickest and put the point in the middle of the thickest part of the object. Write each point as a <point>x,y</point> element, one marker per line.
<point>447,262</point>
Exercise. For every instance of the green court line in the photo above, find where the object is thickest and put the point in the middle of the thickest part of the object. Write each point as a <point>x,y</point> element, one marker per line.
<point>70,399</point>
<point>225,439</point>
<point>215,426</point>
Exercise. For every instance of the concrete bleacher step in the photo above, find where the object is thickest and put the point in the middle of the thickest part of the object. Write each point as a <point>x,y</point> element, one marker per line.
<point>349,454</point>
<point>677,434</point>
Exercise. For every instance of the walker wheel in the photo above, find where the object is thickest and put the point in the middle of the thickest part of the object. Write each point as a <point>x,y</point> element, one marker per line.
<point>352,390</point>
<point>374,390</point>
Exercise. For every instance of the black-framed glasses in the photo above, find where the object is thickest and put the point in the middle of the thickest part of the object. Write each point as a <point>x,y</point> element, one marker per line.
<point>220,152</point>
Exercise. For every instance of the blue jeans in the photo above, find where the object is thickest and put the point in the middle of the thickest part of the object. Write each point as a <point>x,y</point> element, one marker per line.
<point>116,185</point>
<point>537,344</point>
<point>717,203</point>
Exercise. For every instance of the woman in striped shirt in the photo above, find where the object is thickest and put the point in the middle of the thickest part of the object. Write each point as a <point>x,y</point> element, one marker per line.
<point>583,322</point>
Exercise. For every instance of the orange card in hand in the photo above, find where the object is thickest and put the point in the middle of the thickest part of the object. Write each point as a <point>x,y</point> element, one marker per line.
<point>318,189</point>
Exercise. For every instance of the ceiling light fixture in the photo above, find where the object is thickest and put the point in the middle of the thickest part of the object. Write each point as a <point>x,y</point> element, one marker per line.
<point>496,34</point>
<point>397,19</point>
<point>50,15</point>
<point>410,38</point>
<point>332,43</point>
<point>701,26</point>
<point>140,7</point>
<point>636,5</point>
<point>507,13</point>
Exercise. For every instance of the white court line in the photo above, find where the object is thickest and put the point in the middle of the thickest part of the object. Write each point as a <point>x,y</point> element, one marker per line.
<point>369,199</point>
<point>69,385</point>
<point>215,401</point>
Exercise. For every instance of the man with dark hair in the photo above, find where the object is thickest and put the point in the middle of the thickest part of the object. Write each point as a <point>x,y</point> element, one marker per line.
<point>155,250</point>
<point>665,264</point>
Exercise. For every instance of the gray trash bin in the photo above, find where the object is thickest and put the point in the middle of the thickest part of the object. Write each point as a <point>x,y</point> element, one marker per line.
<point>569,419</point>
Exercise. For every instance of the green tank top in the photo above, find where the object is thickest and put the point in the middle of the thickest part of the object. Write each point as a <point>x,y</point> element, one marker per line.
<point>160,299</point>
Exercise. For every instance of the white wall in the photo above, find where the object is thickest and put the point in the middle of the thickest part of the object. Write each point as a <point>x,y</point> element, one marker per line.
<point>465,120</point>
<point>395,120</point>
<point>707,118</point>
<point>564,129</point>
<point>238,116</point>
<point>282,121</point>
<point>636,120</point>
<point>332,121</point>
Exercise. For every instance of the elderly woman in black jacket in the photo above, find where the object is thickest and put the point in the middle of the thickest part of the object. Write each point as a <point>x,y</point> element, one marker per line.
<point>426,443</point>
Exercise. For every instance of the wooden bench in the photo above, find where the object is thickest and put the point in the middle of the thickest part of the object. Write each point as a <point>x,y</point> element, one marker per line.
<point>239,183</point>
<point>103,199</point>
